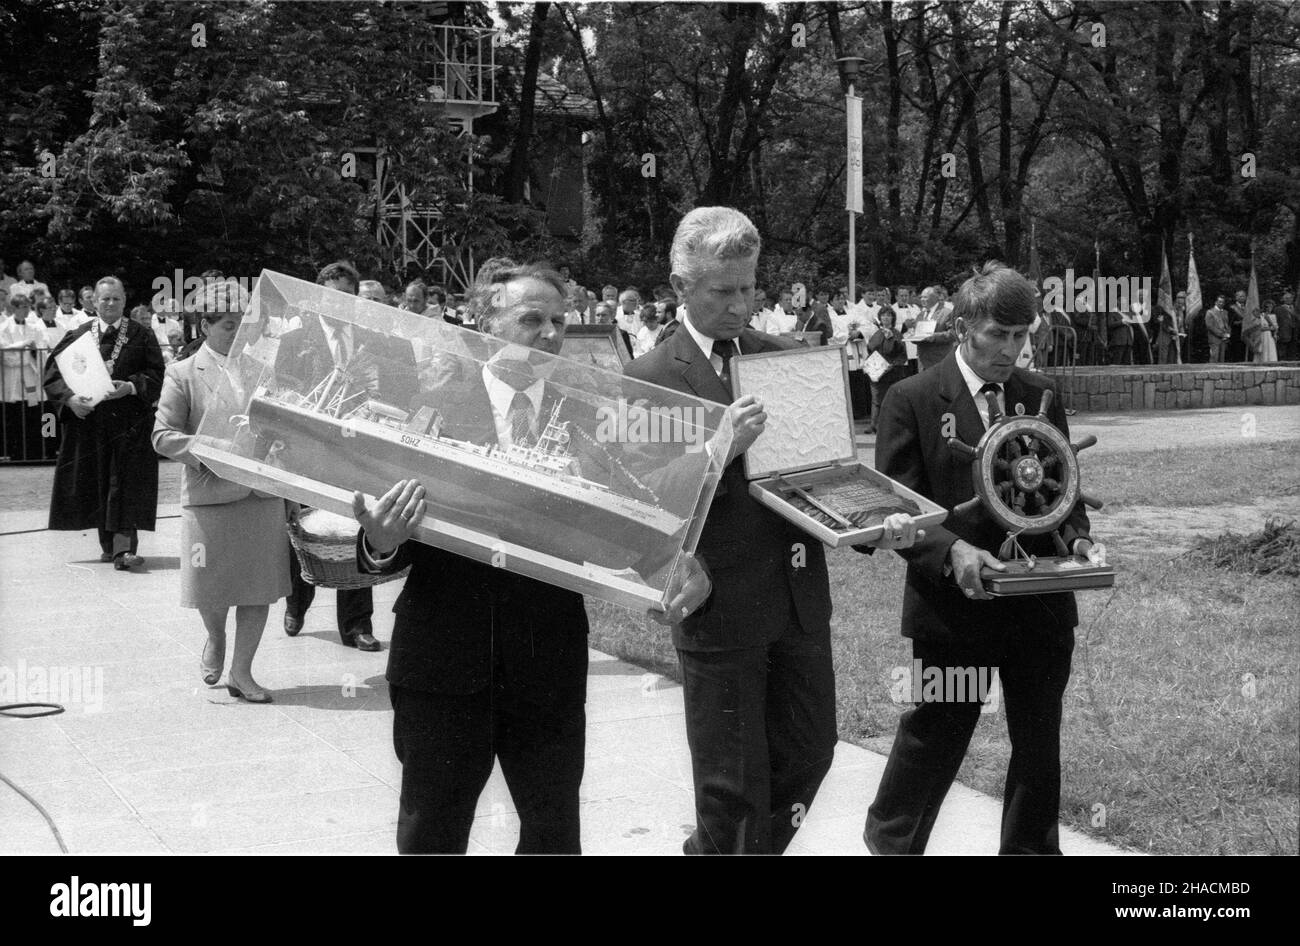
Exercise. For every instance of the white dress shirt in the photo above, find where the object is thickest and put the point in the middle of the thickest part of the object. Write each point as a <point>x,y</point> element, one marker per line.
<point>645,340</point>
<point>973,384</point>
<point>706,345</point>
<point>502,395</point>
<point>779,321</point>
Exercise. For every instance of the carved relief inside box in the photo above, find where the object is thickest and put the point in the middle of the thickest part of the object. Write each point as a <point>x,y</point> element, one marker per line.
<point>806,428</point>
<point>804,465</point>
<point>550,467</point>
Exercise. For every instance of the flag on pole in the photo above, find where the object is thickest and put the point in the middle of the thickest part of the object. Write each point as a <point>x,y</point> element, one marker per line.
<point>1097,319</point>
<point>1194,301</point>
<point>1251,322</point>
<point>1165,295</point>
<point>853,177</point>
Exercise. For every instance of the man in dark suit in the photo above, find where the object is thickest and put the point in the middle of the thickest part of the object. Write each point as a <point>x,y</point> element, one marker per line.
<point>952,621</point>
<point>386,368</point>
<point>934,347</point>
<point>756,658</point>
<point>487,664</point>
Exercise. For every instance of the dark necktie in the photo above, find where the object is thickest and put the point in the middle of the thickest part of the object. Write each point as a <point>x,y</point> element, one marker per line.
<point>991,390</point>
<point>725,349</point>
<point>520,418</point>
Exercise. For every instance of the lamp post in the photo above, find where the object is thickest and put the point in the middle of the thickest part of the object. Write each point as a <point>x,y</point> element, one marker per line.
<point>849,67</point>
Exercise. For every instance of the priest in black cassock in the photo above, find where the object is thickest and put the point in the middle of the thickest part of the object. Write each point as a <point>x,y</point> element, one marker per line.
<point>107,474</point>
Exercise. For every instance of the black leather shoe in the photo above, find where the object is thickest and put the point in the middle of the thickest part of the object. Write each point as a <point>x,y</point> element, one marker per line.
<point>361,640</point>
<point>292,625</point>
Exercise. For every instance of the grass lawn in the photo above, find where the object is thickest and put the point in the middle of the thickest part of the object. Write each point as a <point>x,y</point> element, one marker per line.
<point>1181,720</point>
<point>1193,476</point>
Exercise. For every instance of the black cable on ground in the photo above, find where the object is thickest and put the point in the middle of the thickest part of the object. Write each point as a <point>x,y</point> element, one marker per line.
<point>51,709</point>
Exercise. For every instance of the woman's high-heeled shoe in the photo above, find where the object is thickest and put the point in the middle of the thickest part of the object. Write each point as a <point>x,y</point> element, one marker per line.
<point>248,694</point>
<point>211,669</point>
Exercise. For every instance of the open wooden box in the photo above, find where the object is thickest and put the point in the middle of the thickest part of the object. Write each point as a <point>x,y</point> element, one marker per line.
<point>805,464</point>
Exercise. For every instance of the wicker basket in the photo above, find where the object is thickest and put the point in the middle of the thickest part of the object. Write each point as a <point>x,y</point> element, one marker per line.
<point>327,551</point>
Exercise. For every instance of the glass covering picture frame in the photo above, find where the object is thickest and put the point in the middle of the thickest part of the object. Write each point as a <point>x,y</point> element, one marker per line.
<point>604,492</point>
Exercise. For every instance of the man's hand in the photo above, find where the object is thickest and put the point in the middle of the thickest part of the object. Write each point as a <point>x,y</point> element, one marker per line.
<point>747,419</point>
<point>900,533</point>
<point>394,516</point>
<point>81,406</point>
<point>966,561</point>
<point>690,589</point>
<point>120,389</point>
<point>1095,554</point>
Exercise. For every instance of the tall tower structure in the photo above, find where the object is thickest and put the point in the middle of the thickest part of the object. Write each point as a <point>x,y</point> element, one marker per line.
<point>460,84</point>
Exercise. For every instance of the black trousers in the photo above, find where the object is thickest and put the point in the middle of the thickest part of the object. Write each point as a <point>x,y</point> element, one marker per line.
<point>354,608</point>
<point>446,744</point>
<point>760,724</point>
<point>106,540</point>
<point>1033,666</point>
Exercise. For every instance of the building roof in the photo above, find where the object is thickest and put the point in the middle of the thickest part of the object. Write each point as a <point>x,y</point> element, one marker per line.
<point>553,99</point>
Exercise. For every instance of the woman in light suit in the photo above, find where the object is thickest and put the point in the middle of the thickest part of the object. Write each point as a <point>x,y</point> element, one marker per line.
<point>234,550</point>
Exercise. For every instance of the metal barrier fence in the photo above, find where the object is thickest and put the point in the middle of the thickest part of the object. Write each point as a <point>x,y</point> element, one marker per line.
<point>27,430</point>
<point>1059,358</point>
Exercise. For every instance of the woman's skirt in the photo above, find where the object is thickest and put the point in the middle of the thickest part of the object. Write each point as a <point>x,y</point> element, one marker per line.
<point>234,553</point>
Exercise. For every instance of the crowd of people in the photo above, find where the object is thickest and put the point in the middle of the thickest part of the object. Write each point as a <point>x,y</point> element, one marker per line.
<point>34,319</point>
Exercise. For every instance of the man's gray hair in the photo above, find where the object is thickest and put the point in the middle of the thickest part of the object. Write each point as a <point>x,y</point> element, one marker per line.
<point>113,279</point>
<point>710,234</point>
<point>495,275</point>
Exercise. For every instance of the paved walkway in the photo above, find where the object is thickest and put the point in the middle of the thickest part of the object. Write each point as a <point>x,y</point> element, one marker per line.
<point>147,759</point>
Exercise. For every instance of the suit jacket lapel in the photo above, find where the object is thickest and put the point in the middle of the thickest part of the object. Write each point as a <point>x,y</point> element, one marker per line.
<point>1015,392</point>
<point>953,392</point>
<point>696,370</point>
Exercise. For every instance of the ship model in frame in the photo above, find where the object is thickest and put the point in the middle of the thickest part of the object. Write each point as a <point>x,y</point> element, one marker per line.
<point>382,443</point>
<point>310,410</point>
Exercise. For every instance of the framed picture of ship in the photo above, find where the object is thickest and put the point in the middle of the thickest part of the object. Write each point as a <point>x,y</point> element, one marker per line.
<point>597,345</point>
<point>602,493</point>
<point>805,466</point>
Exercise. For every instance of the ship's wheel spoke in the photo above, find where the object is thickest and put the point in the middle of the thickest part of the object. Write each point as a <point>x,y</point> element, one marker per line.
<point>1001,465</point>
<point>1014,449</point>
<point>1051,486</point>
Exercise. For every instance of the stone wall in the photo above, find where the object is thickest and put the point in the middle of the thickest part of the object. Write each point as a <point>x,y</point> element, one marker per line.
<point>1165,387</point>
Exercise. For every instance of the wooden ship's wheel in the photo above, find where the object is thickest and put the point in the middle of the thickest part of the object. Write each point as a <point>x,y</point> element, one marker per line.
<point>1026,475</point>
